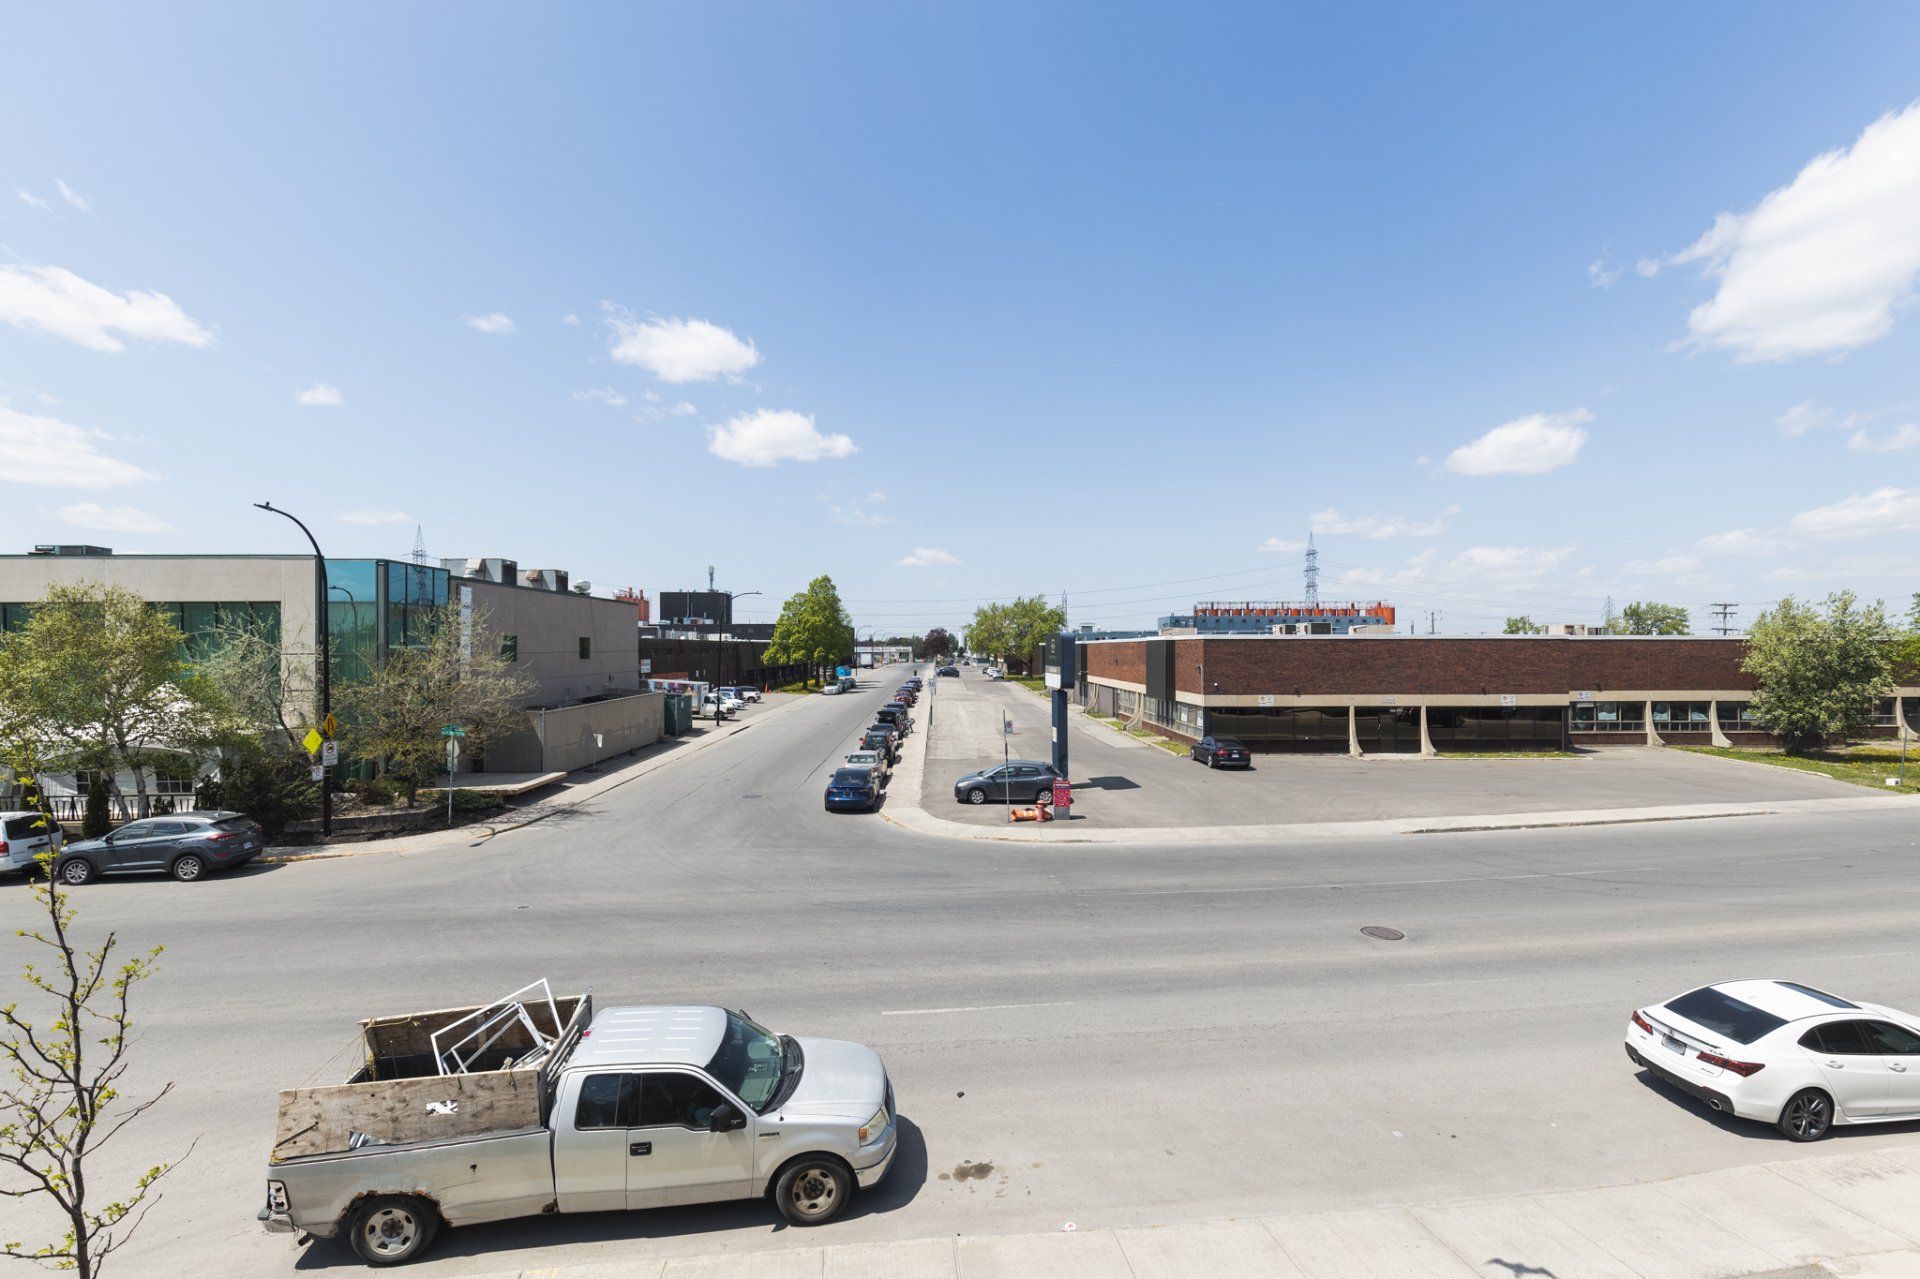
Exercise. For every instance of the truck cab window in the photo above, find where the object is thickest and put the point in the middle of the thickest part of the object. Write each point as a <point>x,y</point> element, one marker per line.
<point>606,1101</point>
<point>671,1099</point>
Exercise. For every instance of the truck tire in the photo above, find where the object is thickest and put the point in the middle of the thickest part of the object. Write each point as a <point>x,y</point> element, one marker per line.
<point>391,1230</point>
<point>813,1190</point>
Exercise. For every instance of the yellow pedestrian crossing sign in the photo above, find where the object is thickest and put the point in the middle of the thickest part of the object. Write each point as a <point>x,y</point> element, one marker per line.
<point>329,727</point>
<point>312,740</point>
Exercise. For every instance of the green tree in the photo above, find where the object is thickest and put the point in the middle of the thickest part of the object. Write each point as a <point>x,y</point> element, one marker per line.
<point>1524,625</point>
<point>1647,617</point>
<point>60,1098</point>
<point>1820,669</point>
<point>813,628</point>
<point>262,706</point>
<point>96,678</point>
<point>1014,631</point>
<point>396,711</point>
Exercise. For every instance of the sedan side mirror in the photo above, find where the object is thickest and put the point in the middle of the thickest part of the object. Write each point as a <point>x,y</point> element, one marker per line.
<point>725,1119</point>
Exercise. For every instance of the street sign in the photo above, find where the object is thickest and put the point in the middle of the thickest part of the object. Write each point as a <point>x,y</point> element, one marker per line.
<point>453,730</point>
<point>646,666</point>
<point>1006,725</point>
<point>1266,699</point>
<point>312,740</point>
<point>1508,699</point>
<point>319,773</point>
<point>329,727</point>
<point>330,753</point>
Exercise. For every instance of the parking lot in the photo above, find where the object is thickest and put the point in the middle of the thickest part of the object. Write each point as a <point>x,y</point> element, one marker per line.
<point>1123,781</point>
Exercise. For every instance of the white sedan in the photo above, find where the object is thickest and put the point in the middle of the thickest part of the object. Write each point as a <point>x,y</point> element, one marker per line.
<point>1785,1054</point>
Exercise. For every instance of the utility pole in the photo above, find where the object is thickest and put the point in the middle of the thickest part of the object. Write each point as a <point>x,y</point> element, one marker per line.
<point>1431,616</point>
<point>1313,571</point>
<point>1723,614</point>
<point>324,636</point>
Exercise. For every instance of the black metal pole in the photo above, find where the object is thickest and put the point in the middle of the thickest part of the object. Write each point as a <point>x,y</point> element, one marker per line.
<point>323,630</point>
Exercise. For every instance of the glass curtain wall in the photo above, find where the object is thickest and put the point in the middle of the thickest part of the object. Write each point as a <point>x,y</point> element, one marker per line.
<point>1497,728</point>
<point>1285,729</point>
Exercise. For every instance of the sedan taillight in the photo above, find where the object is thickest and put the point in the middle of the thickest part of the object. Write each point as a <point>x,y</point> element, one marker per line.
<point>1740,1068</point>
<point>1642,1022</point>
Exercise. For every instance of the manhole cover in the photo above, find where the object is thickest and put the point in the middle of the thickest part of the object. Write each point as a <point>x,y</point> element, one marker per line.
<point>1380,932</point>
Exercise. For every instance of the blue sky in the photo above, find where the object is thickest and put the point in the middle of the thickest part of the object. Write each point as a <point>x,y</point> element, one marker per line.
<point>1517,309</point>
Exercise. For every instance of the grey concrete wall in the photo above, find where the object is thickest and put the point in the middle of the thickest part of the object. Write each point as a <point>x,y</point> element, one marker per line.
<point>548,626</point>
<point>561,740</point>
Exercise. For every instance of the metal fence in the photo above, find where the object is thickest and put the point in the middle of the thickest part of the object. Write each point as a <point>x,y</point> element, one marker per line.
<point>122,808</point>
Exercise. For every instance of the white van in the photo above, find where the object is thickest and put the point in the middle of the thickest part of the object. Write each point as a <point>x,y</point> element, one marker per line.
<point>26,836</point>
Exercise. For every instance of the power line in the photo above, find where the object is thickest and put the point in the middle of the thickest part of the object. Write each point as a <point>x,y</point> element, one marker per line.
<point>1723,614</point>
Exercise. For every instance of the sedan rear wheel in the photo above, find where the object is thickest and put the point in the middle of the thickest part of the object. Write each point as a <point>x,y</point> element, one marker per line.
<point>1807,1116</point>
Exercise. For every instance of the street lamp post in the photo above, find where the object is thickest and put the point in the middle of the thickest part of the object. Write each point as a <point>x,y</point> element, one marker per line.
<point>324,637</point>
<point>717,650</point>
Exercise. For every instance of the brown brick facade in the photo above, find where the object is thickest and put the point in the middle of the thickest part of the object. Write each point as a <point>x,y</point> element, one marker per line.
<point>1330,664</point>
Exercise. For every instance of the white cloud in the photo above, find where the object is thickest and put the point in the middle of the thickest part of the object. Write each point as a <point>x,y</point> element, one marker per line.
<point>676,350</point>
<point>1509,563</point>
<point>847,515</point>
<point>31,200</point>
<point>766,436</point>
<point>876,496</point>
<point>1803,417</point>
<point>496,322</point>
<point>1600,277</point>
<point>1647,268</point>
<point>370,516</point>
<point>1377,528</point>
<point>1823,264</point>
<point>1665,566</point>
<point>1741,541</point>
<point>45,450</point>
<point>683,408</point>
<point>55,300</point>
<point>1284,544</point>
<point>1531,445</point>
<point>1885,510</point>
<point>570,319</point>
<point>112,519</point>
<point>1904,436</point>
<point>319,395</point>
<point>73,197</point>
<point>925,555</point>
<point>601,395</point>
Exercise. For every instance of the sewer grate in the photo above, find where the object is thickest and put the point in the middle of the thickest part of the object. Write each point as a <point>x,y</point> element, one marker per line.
<point>1380,932</point>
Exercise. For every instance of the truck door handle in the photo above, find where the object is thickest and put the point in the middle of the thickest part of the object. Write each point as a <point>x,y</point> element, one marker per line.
<point>640,1148</point>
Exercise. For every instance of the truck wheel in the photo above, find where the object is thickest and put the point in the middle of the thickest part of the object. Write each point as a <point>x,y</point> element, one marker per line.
<point>813,1191</point>
<point>391,1230</point>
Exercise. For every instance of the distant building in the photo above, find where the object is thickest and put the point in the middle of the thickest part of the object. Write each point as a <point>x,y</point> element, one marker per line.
<point>644,607</point>
<point>696,609</point>
<point>1266,617</point>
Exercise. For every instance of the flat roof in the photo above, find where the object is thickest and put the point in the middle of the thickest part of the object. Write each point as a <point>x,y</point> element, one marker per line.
<point>1375,639</point>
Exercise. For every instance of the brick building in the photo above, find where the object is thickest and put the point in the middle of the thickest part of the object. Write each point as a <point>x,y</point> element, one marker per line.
<point>1397,693</point>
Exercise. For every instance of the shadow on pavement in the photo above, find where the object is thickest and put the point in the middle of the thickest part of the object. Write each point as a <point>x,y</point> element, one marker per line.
<point>1107,783</point>
<point>903,1183</point>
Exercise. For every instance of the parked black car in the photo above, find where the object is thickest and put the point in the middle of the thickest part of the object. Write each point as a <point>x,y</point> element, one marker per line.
<point>882,737</point>
<point>897,714</point>
<point>1221,752</point>
<point>184,845</point>
<point>852,788</point>
<point>1022,781</point>
<point>950,671</point>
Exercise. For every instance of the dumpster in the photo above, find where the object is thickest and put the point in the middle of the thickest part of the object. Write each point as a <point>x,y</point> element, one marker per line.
<point>678,717</point>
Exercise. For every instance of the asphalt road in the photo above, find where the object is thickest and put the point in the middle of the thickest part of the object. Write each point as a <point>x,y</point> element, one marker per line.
<point>1126,1035</point>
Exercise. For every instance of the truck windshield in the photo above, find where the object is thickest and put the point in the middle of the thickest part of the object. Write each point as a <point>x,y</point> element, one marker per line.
<point>750,1061</point>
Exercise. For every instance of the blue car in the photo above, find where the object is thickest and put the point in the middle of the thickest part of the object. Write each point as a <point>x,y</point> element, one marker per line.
<point>852,789</point>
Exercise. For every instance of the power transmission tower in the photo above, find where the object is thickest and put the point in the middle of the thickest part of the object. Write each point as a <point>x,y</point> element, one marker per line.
<point>1723,614</point>
<point>419,555</point>
<point>1313,571</point>
<point>1432,616</point>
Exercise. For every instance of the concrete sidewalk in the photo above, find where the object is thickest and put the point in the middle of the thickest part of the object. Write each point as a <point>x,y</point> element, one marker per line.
<point>575,789</point>
<point>1847,1214</point>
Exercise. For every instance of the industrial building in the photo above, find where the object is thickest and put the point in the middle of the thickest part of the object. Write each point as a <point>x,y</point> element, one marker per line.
<point>1403,694</point>
<point>1266,617</point>
<point>577,649</point>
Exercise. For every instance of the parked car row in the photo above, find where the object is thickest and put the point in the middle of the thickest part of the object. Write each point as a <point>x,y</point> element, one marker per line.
<point>860,783</point>
<point>186,846</point>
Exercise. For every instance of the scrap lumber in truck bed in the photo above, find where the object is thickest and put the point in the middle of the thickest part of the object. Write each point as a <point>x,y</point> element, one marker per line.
<point>398,1096</point>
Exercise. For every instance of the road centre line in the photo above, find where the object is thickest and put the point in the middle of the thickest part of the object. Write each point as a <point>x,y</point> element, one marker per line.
<point>978,1008</point>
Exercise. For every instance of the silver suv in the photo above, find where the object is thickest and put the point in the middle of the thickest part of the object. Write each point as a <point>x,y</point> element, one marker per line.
<point>25,837</point>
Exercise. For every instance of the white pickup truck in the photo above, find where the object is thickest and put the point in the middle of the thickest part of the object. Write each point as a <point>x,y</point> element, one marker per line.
<point>536,1104</point>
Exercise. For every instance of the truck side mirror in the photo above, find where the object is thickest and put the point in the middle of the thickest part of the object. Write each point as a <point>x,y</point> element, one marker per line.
<point>725,1119</point>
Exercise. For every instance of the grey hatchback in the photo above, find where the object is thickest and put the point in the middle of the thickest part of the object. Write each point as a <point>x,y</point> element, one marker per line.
<point>1019,781</point>
<point>184,845</point>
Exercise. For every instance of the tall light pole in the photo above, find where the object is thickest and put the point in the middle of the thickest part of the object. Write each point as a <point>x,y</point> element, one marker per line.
<point>323,632</point>
<point>717,650</point>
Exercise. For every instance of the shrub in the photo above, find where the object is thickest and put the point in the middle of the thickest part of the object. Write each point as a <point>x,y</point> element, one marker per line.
<point>98,818</point>
<point>273,789</point>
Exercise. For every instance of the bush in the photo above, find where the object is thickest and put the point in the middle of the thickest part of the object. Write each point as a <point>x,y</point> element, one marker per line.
<point>374,790</point>
<point>275,790</point>
<point>466,803</point>
<point>98,818</point>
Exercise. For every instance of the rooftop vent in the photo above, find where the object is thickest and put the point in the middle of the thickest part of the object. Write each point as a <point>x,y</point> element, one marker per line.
<point>546,579</point>
<point>73,549</point>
